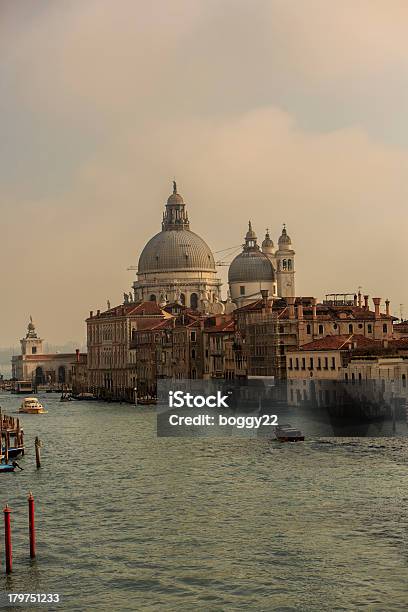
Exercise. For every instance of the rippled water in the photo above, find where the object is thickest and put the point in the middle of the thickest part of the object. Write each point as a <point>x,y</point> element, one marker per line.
<point>126,521</point>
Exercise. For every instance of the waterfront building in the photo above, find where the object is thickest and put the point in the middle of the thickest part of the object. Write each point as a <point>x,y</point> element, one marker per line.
<point>223,351</point>
<point>177,265</point>
<point>377,371</point>
<point>170,349</point>
<point>111,364</point>
<point>39,367</point>
<point>264,268</point>
<point>272,326</point>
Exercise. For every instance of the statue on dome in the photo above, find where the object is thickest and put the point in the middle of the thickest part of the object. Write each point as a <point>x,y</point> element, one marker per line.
<point>125,298</point>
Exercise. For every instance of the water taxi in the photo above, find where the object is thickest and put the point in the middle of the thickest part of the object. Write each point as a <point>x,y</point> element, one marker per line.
<point>31,405</point>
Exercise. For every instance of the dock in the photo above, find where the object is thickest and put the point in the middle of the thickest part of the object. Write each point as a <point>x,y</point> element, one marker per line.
<point>11,437</point>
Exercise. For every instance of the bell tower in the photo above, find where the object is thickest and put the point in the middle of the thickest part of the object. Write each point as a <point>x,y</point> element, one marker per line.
<point>31,344</point>
<point>285,266</point>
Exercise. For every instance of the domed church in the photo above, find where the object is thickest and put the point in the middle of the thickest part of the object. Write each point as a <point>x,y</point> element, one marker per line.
<point>176,265</point>
<point>256,268</point>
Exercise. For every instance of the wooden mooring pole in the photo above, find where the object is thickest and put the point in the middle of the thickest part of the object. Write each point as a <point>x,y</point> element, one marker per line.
<point>7,538</point>
<point>38,452</point>
<point>31,524</point>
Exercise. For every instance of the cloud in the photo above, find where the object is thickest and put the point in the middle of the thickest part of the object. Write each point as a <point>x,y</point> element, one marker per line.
<point>104,106</point>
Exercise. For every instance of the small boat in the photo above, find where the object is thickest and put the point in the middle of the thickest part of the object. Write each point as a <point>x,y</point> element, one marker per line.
<point>65,397</point>
<point>286,433</point>
<point>31,405</point>
<point>84,396</point>
<point>6,467</point>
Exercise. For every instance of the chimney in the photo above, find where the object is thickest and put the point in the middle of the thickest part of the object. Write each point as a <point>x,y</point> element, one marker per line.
<point>377,302</point>
<point>90,314</point>
<point>355,300</point>
<point>366,302</point>
<point>264,294</point>
<point>359,298</point>
<point>314,309</point>
<point>77,355</point>
<point>291,304</point>
<point>387,307</point>
<point>300,311</point>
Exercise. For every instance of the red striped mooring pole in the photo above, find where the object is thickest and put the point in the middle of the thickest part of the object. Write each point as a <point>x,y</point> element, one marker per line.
<point>31,524</point>
<point>7,538</point>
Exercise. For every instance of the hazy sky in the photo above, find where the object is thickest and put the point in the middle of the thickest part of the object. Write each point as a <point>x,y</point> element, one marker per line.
<point>272,110</point>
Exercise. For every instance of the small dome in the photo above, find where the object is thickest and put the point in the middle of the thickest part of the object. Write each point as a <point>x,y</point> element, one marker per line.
<point>172,250</point>
<point>250,235</point>
<point>175,198</point>
<point>284,241</point>
<point>251,266</point>
<point>267,241</point>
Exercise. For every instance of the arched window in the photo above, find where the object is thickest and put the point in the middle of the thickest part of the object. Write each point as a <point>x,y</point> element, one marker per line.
<point>284,264</point>
<point>321,329</point>
<point>308,329</point>
<point>183,299</point>
<point>351,328</point>
<point>194,301</point>
<point>289,264</point>
<point>152,298</point>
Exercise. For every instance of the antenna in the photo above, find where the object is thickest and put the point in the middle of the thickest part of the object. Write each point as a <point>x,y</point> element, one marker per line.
<point>402,312</point>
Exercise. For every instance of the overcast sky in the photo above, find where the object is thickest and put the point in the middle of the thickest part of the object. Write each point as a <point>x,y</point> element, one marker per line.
<point>272,110</point>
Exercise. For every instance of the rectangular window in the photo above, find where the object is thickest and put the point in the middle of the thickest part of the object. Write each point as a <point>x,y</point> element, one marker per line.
<point>326,363</point>
<point>34,350</point>
<point>291,364</point>
<point>242,290</point>
<point>319,363</point>
<point>333,363</point>
<point>369,328</point>
<point>193,336</point>
<point>311,363</point>
<point>297,363</point>
<point>303,363</point>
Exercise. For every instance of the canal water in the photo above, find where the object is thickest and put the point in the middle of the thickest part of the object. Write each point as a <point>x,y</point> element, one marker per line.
<point>127,521</point>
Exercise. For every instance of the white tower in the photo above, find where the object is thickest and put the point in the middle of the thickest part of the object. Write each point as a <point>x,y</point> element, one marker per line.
<point>31,344</point>
<point>285,266</point>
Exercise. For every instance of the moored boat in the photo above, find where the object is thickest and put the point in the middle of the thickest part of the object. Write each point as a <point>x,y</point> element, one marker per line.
<point>287,433</point>
<point>6,467</point>
<point>31,405</point>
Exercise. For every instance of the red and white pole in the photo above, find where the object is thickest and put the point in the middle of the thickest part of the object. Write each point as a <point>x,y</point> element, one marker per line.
<point>7,538</point>
<point>31,524</point>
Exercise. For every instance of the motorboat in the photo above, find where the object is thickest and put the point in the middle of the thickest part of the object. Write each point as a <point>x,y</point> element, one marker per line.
<point>31,405</point>
<point>287,433</point>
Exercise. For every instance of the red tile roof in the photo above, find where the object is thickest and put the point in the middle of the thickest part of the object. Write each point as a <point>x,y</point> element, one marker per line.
<point>340,342</point>
<point>139,309</point>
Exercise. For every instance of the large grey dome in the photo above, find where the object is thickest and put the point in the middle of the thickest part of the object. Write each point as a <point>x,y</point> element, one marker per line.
<point>178,249</point>
<point>251,266</point>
